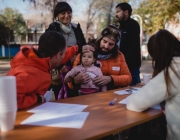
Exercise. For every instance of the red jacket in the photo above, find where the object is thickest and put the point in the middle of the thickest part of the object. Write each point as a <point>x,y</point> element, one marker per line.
<point>32,75</point>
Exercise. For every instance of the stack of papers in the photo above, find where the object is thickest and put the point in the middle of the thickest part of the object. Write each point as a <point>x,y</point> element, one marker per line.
<point>127,91</point>
<point>57,115</point>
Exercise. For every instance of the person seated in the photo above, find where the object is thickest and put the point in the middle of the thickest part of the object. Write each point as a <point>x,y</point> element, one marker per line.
<point>163,88</point>
<point>114,68</point>
<point>32,67</point>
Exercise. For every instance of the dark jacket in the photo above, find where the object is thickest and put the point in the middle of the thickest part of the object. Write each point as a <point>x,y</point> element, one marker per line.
<point>130,42</point>
<point>77,31</point>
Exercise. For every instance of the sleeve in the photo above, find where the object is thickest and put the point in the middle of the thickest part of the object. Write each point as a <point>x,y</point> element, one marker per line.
<point>71,73</point>
<point>27,84</point>
<point>83,41</point>
<point>103,88</point>
<point>69,54</point>
<point>124,78</point>
<point>77,60</point>
<point>52,27</point>
<point>133,44</point>
<point>151,94</point>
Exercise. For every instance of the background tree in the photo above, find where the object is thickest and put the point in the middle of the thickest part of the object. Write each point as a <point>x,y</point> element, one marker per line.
<point>12,24</point>
<point>44,5</point>
<point>157,13</point>
<point>101,11</point>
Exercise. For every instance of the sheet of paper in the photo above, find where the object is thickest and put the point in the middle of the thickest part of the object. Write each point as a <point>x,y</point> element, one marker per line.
<point>48,95</point>
<point>74,120</point>
<point>127,91</point>
<point>124,101</point>
<point>58,107</point>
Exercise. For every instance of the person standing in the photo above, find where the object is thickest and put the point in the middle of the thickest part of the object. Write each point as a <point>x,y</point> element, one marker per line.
<point>73,35</point>
<point>129,43</point>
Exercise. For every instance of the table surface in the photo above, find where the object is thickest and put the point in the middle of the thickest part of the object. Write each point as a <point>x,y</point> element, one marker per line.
<point>102,120</point>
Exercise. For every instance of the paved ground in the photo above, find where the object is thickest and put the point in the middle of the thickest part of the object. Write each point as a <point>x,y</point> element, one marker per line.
<point>4,67</point>
<point>145,68</point>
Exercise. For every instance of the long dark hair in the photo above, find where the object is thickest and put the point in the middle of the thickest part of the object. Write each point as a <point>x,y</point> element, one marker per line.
<point>162,47</point>
<point>61,7</point>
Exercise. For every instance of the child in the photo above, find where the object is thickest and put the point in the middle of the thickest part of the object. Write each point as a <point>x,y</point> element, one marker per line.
<point>88,64</point>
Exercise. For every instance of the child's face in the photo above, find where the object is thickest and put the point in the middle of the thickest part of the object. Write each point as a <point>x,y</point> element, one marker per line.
<point>87,59</point>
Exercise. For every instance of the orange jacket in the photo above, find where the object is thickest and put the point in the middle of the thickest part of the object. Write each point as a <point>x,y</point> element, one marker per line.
<point>116,68</point>
<point>32,75</point>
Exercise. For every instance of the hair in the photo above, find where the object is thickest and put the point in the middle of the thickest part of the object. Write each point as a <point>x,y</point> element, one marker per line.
<point>114,51</point>
<point>61,7</point>
<point>162,47</point>
<point>125,6</point>
<point>50,43</point>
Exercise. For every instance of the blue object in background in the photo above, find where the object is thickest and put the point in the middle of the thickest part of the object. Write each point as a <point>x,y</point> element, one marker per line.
<point>14,49</point>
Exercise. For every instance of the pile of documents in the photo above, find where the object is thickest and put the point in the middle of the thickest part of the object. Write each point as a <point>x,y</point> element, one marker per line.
<point>57,115</point>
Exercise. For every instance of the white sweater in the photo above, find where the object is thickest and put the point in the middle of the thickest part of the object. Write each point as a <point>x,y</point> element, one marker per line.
<point>154,93</point>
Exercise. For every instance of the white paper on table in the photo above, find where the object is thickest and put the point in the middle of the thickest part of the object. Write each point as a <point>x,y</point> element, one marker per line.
<point>127,91</point>
<point>48,95</point>
<point>124,101</point>
<point>74,120</point>
<point>58,107</point>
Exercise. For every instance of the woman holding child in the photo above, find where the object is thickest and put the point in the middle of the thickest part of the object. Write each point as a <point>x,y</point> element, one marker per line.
<point>114,68</point>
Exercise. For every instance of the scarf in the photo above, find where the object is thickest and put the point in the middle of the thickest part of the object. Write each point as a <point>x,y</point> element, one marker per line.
<point>66,29</point>
<point>103,56</point>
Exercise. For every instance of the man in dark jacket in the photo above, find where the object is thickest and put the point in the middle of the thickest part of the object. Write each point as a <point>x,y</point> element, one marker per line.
<point>130,40</point>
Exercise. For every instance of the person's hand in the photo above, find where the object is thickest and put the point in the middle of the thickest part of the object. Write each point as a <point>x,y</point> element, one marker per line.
<point>43,98</point>
<point>102,80</point>
<point>68,79</point>
<point>82,77</point>
<point>87,48</point>
<point>64,69</point>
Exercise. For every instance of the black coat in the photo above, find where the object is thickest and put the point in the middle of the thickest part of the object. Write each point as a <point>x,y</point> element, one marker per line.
<point>77,31</point>
<point>130,43</point>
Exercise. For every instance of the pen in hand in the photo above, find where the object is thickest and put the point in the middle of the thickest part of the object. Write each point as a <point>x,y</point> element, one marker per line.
<point>113,101</point>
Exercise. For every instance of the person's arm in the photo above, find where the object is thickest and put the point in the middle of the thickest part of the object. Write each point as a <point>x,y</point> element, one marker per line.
<point>69,54</point>
<point>28,84</point>
<point>124,78</point>
<point>154,92</point>
<point>133,42</point>
<point>71,74</point>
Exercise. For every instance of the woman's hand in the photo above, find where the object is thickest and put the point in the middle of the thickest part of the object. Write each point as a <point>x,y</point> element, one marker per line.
<point>82,77</point>
<point>102,80</point>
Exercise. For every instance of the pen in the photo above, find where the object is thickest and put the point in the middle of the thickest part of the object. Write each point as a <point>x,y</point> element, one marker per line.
<point>113,101</point>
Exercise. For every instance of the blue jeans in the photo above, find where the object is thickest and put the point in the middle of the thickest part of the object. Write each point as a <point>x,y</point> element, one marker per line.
<point>135,76</point>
